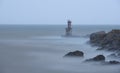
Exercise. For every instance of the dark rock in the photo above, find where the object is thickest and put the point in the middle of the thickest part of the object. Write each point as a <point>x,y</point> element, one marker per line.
<point>75,54</point>
<point>97,58</point>
<point>109,41</point>
<point>114,62</point>
<point>97,37</point>
<point>112,40</point>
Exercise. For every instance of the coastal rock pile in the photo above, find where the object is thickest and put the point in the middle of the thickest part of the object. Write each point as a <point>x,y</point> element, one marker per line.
<point>108,41</point>
<point>98,58</point>
<point>96,38</point>
<point>101,59</point>
<point>105,41</point>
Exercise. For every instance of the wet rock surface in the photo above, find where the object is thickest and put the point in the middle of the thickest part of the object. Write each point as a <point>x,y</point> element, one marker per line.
<point>97,58</point>
<point>101,60</point>
<point>75,54</point>
<point>109,41</point>
<point>97,37</point>
<point>106,41</point>
<point>114,62</point>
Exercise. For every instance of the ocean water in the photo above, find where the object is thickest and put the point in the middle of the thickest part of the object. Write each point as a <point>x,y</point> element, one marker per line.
<point>40,49</point>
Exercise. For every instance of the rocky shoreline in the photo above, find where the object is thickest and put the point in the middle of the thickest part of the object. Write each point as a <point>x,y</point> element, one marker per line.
<point>105,41</point>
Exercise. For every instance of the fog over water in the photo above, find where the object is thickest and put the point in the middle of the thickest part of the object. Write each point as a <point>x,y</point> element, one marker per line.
<point>40,49</point>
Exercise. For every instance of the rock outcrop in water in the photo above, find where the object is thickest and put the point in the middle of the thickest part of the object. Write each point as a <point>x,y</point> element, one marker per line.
<point>75,54</point>
<point>97,58</point>
<point>114,62</point>
<point>101,59</point>
<point>105,41</point>
<point>96,38</point>
<point>108,41</point>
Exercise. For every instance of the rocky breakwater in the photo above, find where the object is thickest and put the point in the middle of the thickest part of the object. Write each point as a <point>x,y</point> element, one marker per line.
<point>107,41</point>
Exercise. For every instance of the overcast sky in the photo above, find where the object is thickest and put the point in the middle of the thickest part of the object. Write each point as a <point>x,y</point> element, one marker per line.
<point>59,11</point>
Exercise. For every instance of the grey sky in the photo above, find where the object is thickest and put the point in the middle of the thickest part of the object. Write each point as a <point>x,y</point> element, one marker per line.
<point>58,11</point>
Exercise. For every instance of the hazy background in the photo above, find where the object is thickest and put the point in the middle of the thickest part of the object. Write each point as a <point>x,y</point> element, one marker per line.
<point>58,11</point>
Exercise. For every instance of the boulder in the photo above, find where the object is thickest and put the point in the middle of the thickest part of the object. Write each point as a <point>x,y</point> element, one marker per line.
<point>75,54</point>
<point>97,58</point>
<point>97,37</point>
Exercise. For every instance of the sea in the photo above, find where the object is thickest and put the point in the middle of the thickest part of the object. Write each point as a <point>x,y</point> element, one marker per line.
<point>41,49</point>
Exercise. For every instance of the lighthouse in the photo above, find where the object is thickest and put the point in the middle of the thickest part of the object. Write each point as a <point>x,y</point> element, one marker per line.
<point>69,28</point>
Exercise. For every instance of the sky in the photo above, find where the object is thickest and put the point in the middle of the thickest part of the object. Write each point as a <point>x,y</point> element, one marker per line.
<point>59,11</point>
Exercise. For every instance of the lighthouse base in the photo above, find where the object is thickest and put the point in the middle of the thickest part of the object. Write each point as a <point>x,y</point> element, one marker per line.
<point>71,36</point>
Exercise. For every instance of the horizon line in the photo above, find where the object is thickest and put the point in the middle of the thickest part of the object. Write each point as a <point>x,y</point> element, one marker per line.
<point>59,24</point>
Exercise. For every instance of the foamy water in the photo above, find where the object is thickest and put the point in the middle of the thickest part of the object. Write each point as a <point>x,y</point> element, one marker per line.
<point>38,53</point>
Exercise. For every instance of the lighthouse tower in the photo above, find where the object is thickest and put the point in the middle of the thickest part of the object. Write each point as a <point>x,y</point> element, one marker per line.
<point>69,29</point>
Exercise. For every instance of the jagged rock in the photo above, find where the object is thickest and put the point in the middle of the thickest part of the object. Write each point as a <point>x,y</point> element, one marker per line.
<point>114,62</point>
<point>75,54</point>
<point>97,58</point>
<point>108,41</point>
<point>97,37</point>
<point>112,40</point>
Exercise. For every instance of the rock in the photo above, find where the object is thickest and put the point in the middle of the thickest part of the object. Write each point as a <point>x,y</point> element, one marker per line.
<point>112,40</point>
<point>108,41</point>
<point>97,37</point>
<point>97,58</point>
<point>114,62</point>
<point>75,54</point>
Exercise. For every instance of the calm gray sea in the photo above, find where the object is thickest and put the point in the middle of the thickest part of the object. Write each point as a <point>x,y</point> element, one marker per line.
<point>40,49</point>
